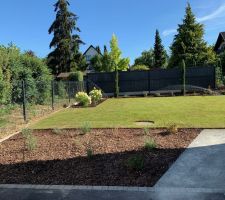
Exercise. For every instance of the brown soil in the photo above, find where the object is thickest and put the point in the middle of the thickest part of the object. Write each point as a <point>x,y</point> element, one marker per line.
<point>62,158</point>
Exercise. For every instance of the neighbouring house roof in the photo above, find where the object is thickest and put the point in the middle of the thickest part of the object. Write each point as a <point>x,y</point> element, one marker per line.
<point>91,46</point>
<point>220,40</point>
<point>64,75</point>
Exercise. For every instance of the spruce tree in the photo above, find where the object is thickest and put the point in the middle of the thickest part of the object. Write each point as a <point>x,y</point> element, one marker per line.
<point>98,49</point>
<point>159,52</point>
<point>105,49</point>
<point>64,43</point>
<point>188,43</point>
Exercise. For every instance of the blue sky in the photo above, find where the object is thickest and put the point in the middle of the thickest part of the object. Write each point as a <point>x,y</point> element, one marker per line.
<point>26,22</point>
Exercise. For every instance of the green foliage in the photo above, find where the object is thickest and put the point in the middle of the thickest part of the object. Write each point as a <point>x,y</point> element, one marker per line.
<point>15,67</point>
<point>146,58</point>
<point>76,76</point>
<point>189,44</point>
<point>89,153</point>
<point>61,89</point>
<point>184,77</point>
<point>65,43</point>
<point>139,67</point>
<point>136,162</point>
<point>146,131</point>
<point>96,95</point>
<point>96,62</point>
<point>150,144</point>
<point>83,99</point>
<point>118,63</point>
<point>30,140</point>
<point>159,52</point>
<point>86,128</point>
<point>172,129</point>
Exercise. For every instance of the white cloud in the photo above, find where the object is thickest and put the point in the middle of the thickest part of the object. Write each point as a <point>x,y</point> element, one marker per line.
<point>219,12</point>
<point>169,32</point>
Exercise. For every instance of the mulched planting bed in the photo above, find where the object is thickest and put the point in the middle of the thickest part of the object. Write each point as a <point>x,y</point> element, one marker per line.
<point>62,158</point>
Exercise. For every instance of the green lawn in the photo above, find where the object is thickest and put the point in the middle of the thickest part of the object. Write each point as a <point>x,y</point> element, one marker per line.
<point>201,112</point>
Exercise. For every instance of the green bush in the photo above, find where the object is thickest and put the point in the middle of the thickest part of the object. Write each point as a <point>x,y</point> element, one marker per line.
<point>96,95</point>
<point>89,153</point>
<point>76,76</point>
<point>172,129</point>
<point>30,140</point>
<point>136,162</point>
<point>86,128</point>
<point>83,99</point>
<point>139,68</point>
<point>150,144</point>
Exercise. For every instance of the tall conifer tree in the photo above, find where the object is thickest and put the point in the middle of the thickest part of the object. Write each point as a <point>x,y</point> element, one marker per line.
<point>159,52</point>
<point>188,44</point>
<point>64,43</point>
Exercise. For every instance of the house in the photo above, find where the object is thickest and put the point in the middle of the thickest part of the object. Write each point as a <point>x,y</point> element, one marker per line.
<point>220,43</point>
<point>89,54</point>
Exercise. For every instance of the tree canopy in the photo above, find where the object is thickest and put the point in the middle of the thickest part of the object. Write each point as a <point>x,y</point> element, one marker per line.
<point>188,43</point>
<point>65,44</point>
<point>146,58</point>
<point>159,52</point>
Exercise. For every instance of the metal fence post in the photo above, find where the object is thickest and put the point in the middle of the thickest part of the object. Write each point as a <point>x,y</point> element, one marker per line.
<point>53,88</point>
<point>24,101</point>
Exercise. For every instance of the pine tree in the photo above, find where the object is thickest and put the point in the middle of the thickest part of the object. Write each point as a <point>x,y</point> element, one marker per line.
<point>98,49</point>
<point>105,49</point>
<point>159,52</point>
<point>188,44</point>
<point>65,45</point>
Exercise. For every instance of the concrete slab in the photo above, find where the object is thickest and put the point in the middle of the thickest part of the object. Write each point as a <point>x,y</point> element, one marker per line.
<point>76,194</point>
<point>202,165</point>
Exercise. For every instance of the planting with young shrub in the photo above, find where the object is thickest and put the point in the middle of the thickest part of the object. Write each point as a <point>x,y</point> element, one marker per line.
<point>30,140</point>
<point>136,162</point>
<point>150,144</point>
<point>83,99</point>
<point>96,95</point>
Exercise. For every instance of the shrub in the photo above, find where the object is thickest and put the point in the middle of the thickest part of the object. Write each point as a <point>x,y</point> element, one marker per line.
<point>57,131</point>
<point>139,68</point>
<point>146,131</point>
<point>150,144</point>
<point>76,76</point>
<point>172,129</point>
<point>96,95</point>
<point>86,128</point>
<point>136,162</point>
<point>89,153</point>
<point>30,140</point>
<point>83,99</point>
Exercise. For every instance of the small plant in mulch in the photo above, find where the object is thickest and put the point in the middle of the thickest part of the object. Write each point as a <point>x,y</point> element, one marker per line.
<point>146,131</point>
<point>85,128</point>
<point>89,152</point>
<point>150,144</point>
<point>57,131</point>
<point>135,162</point>
<point>172,129</point>
<point>30,140</point>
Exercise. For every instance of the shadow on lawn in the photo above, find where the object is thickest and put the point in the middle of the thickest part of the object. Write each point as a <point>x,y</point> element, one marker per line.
<point>104,169</point>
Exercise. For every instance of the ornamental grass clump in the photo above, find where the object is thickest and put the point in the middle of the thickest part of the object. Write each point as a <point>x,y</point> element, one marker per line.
<point>96,95</point>
<point>173,129</point>
<point>150,144</point>
<point>83,99</point>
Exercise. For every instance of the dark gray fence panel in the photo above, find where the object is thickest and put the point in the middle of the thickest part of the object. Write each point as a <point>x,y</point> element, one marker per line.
<point>201,76</point>
<point>157,79</point>
<point>106,81</point>
<point>162,78</point>
<point>133,81</point>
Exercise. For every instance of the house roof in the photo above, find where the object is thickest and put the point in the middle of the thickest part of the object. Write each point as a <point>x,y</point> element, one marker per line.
<point>91,46</point>
<point>220,39</point>
<point>64,75</point>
